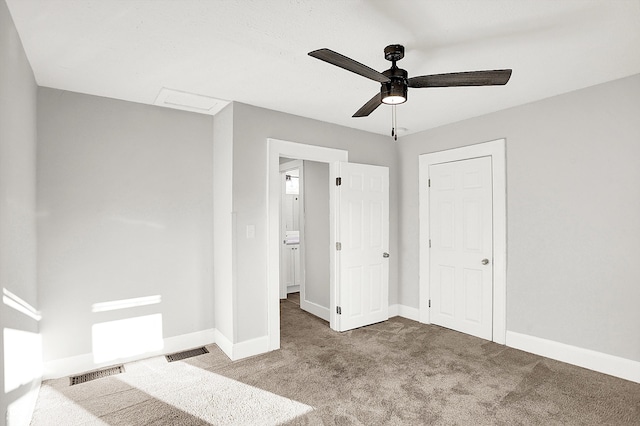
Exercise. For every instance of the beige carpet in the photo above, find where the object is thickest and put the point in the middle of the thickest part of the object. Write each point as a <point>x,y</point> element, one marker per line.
<point>396,372</point>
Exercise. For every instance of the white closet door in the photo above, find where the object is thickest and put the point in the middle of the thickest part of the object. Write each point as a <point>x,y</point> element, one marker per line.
<point>461,267</point>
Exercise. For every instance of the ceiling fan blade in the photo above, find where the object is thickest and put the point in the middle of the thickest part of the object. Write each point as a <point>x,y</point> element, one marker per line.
<point>369,107</point>
<point>470,78</point>
<point>348,64</point>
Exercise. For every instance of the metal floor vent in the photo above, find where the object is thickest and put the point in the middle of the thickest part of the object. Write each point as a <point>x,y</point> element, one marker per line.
<point>186,354</point>
<point>92,375</point>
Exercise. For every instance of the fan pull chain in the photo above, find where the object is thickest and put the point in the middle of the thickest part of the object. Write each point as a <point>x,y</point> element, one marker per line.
<point>394,123</point>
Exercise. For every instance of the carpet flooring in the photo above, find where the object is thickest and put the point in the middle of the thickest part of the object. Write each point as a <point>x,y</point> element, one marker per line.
<point>398,372</point>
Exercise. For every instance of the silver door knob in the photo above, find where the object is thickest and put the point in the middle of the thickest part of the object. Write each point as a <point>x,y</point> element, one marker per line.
<point>485,261</point>
<point>385,255</point>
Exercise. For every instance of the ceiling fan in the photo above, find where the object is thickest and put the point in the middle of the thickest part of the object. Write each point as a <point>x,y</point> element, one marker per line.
<point>394,82</point>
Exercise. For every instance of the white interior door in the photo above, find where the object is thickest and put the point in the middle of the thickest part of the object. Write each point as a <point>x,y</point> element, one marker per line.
<point>362,284</point>
<point>461,265</point>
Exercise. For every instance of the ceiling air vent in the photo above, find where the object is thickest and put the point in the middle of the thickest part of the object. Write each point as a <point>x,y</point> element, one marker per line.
<point>186,354</point>
<point>98,374</point>
<point>189,101</point>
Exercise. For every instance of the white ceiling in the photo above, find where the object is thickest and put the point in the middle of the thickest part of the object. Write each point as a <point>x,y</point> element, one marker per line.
<point>256,51</point>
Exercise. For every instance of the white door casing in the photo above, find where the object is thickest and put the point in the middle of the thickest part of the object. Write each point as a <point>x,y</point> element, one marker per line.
<point>496,151</point>
<point>461,246</point>
<point>362,213</point>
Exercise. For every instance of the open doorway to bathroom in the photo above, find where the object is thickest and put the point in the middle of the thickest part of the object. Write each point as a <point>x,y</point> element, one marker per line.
<point>305,235</point>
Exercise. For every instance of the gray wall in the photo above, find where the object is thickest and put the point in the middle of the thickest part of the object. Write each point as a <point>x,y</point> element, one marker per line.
<point>316,235</point>
<point>125,205</point>
<point>252,126</point>
<point>17,214</point>
<point>573,214</point>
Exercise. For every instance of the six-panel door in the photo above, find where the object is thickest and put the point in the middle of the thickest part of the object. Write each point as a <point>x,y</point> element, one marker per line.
<point>363,277</point>
<point>461,273</point>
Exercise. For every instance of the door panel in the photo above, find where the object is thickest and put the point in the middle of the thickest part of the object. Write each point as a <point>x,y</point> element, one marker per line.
<point>363,231</point>
<point>461,286</point>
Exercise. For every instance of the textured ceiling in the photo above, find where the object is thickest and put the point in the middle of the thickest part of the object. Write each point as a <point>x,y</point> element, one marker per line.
<point>256,51</point>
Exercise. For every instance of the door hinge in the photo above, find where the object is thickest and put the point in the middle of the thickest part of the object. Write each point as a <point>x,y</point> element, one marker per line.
<point>338,246</point>
<point>429,183</point>
<point>429,242</point>
<point>338,181</point>
<point>338,310</point>
<point>429,302</point>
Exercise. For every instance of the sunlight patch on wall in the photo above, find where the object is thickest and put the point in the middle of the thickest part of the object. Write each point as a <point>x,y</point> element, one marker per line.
<point>14,302</point>
<point>125,303</point>
<point>22,358</point>
<point>127,337</point>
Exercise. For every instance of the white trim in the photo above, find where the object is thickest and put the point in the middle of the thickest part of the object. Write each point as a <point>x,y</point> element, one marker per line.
<point>314,309</point>
<point>223,343</point>
<point>252,347</point>
<point>608,364</point>
<point>496,150</point>
<point>393,310</point>
<point>409,312</point>
<point>276,149</point>
<point>404,311</point>
<point>81,363</point>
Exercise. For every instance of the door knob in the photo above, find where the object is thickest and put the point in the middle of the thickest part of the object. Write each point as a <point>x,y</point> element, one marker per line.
<point>485,261</point>
<point>385,255</point>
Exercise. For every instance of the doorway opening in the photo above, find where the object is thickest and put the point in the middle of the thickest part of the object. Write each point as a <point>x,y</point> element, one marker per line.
<point>358,237</point>
<point>434,211</point>
<point>305,234</point>
<point>284,149</point>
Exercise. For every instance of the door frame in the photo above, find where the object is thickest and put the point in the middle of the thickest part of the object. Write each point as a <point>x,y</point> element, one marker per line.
<point>285,167</point>
<point>496,150</point>
<point>279,148</point>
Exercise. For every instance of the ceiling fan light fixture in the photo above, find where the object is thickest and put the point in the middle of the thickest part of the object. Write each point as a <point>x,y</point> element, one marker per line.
<point>393,93</point>
<point>394,100</point>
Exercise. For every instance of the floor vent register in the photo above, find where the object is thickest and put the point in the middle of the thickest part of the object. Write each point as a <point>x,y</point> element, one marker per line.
<point>186,354</point>
<point>98,374</point>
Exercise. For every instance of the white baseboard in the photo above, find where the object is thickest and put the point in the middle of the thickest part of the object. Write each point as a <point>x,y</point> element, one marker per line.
<point>223,343</point>
<point>188,341</point>
<point>236,351</point>
<point>251,347</point>
<point>608,364</point>
<point>81,363</point>
<point>393,310</point>
<point>315,309</point>
<point>408,312</point>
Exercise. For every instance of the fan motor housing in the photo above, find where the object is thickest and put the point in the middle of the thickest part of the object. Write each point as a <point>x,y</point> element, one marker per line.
<point>394,52</point>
